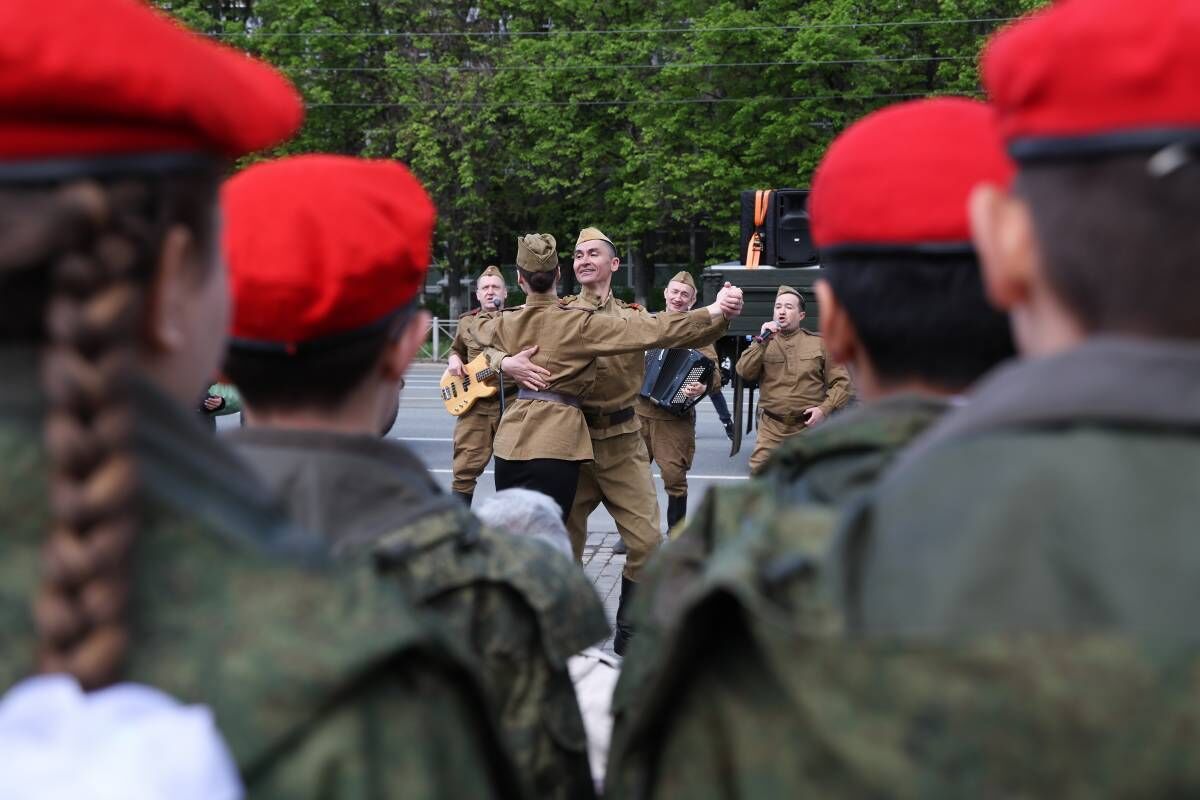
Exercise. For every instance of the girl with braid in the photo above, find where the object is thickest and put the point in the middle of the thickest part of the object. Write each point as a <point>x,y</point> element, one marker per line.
<point>135,546</point>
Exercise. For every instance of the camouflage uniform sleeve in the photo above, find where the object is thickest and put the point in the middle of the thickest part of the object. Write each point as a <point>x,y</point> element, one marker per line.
<point>401,732</point>
<point>535,700</point>
<point>749,366</point>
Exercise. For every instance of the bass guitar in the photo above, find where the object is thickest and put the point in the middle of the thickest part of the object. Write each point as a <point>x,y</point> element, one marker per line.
<point>459,394</point>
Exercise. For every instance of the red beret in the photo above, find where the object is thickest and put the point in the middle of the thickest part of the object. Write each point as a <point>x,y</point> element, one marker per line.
<point>1088,77</point>
<point>900,177</point>
<point>320,245</point>
<point>115,78</point>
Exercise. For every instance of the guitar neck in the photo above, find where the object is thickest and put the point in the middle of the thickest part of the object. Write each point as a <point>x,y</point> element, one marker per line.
<point>484,374</point>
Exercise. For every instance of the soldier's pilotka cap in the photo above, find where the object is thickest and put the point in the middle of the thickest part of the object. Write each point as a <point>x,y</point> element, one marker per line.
<point>591,235</point>
<point>789,290</point>
<point>537,252</point>
<point>322,248</point>
<point>683,276</point>
<point>1081,79</point>
<point>898,179</point>
<point>91,87</point>
<point>491,272</point>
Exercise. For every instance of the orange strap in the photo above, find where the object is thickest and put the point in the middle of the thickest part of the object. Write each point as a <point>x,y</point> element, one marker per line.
<point>762,199</point>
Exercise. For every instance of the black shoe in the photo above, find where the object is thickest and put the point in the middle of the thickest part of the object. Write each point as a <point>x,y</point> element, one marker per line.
<point>624,617</point>
<point>619,548</point>
<point>729,430</point>
<point>465,497</point>
<point>676,510</point>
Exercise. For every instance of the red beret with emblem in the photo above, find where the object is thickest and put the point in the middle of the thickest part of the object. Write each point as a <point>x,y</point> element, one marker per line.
<point>82,80</point>
<point>322,245</point>
<point>900,177</point>
<point>1092,77</point>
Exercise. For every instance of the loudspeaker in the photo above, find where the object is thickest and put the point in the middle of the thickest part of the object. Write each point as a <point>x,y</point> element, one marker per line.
<point>793,239</point>
<point>787,240</point>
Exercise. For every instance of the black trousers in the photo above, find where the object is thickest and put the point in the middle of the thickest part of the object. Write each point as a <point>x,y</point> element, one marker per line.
<point>552,476</point>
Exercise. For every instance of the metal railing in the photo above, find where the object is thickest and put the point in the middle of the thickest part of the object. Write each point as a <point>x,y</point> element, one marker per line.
<point>438,340</point>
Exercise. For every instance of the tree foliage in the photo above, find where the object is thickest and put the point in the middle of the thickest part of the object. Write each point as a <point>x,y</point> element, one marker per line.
<point>644,119</point>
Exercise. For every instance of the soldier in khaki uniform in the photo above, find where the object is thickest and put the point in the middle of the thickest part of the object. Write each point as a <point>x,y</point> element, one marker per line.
<point>619,476</point>
<point>799,386</point>
<point>543,440</point>
<point>475,430</point>
<point>670,438</point>
<point>320,378</point>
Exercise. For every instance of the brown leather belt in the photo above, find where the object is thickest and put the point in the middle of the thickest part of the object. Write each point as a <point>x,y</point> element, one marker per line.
<point>548,396</point>
<point>786,419</point>
<point>595,420</point>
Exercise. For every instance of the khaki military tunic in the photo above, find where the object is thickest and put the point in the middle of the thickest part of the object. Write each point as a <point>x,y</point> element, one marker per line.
<point>518,608</point>
<point>670,438</point>
<point>793,373</point>
<point>322,679</point>
<point>475,430</point>
<point>569,341</point>
<point>619,474</point>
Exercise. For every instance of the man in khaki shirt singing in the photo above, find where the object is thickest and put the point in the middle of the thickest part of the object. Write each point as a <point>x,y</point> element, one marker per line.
<point>799,387</point>
<point>543,440</point>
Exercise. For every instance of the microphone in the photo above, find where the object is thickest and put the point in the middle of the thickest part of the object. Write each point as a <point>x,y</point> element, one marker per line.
<point>498,303</point>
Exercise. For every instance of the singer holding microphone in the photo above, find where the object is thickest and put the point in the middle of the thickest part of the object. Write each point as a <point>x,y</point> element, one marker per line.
<point>475,430</point>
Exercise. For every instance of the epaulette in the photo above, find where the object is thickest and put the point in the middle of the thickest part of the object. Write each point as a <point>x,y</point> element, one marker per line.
<point>567,299</point>
<point>470,313</point>
<point>634,306</point>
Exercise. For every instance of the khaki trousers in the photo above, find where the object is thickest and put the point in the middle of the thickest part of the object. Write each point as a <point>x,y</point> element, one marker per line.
<point>770,433</point>
<point>671,443</point>
<point>620,478</point>
<point>473,435</point>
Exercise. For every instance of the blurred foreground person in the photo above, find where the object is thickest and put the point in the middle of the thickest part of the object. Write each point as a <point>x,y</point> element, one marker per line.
<point>903,307</point>
<point>327,255</point>
<point>523,512</point>
<point>136,547</point>
<point>1017,594</point>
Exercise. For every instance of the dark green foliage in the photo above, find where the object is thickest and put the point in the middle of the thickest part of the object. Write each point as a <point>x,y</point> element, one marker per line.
<point>643,119</point>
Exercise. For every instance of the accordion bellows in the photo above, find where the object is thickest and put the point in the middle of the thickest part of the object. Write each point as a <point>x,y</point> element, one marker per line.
<point>668,372</point>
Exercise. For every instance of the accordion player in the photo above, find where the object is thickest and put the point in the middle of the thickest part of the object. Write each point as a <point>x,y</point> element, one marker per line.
<point>669,371</point>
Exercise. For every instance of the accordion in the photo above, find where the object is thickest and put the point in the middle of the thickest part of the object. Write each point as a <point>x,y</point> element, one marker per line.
<point>668,372</point>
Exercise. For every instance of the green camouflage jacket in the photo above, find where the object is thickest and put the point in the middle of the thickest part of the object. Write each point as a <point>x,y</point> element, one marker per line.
<point>767,535</point>
<point>747,710</point>
<point>1057,501</point>
<point>521,608</point>
<point>320,677</point>
<point>1018,596</point>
